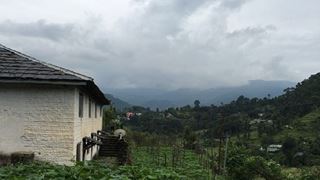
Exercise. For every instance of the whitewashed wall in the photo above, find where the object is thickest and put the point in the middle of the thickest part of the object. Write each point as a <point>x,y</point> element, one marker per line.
<point>85,126</point>
<point>44,119</point>
<point>37,119</point>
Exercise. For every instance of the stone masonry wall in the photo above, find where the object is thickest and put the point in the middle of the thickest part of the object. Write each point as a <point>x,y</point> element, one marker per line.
<point>84,126</point>
<point>39,119</point>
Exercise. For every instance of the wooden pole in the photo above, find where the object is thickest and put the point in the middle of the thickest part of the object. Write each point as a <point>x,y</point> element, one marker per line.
<point>225,155</point>
<point>220,144</point>
<point>219,155</point>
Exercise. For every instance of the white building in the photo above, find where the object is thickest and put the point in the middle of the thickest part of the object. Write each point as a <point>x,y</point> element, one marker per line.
<point>46,109</point>
<point>258,121</point>
<point>274,148</point>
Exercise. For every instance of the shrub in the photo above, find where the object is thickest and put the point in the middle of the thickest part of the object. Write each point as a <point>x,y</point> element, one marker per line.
<point>242,166</point>
<point>310,173</point>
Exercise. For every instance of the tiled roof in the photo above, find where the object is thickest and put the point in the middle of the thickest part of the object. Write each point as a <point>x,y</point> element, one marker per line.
<point>17,66</point>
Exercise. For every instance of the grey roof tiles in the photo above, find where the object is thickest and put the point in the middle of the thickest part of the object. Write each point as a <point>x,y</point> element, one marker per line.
<point>15,65</point>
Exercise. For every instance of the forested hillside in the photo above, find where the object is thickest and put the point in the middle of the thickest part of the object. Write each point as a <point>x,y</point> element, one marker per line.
<point>290,120</point>
<point>284,109</point>
<point>272,138</point>
<point>119,104</point>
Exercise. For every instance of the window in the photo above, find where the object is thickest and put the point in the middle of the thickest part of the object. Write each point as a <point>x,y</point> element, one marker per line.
<point>89,108</point>
<point>80,105</point>
<point>98,110</point>
<point>101,111</point>
<point>95,111</point>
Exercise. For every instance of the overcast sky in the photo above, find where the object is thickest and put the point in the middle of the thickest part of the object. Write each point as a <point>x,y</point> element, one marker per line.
<point>169,44</point>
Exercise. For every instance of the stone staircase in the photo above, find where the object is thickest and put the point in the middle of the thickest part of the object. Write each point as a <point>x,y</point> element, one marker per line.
<point>112,146</point>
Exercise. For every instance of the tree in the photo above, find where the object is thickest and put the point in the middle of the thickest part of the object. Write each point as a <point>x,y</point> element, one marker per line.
<point>190,138</point>
<point>241,165</point>
<point>196,104</point>
<point>108,116</point>
<point>266,140</point>
<point>288,148</point>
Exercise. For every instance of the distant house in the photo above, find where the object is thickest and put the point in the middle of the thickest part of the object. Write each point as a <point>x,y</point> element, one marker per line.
<point>258,121</point>
<point>274,148</point>
<point>169,115</point>
<point>46,109</point>
<point>138,114</point>
<point>129,115</point>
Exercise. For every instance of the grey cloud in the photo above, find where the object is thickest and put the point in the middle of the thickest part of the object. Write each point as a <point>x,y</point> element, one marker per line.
<point>276,67</point>
<point>39,28</point>
<point>139,54</point>
<point>252,31</point>
<point>166,44</point>
<point>177,6</point>
<point>233,4</point>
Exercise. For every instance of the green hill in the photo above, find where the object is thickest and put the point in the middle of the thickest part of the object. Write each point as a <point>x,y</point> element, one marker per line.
<point>306,127</point>
<point>119,104</point>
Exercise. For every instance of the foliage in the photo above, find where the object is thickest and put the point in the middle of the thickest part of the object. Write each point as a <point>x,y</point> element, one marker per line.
<point>306,173</point>
<point>189,138</point>
<point>289,148</point>
<point>310,173</point>
<point>196,104</point>
<point>91,170</point>
<point>241,165</point>
<point>109,115</point>
<point>145,167</point>
<point>153,122</point>
<point>266,140</point>
<point>138,138</point>
<point>186,165</point>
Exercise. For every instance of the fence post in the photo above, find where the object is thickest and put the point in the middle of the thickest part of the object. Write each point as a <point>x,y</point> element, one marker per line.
<point>225,154</point>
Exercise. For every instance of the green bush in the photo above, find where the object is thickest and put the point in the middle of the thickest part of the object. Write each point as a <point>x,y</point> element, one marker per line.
<point>242,166</point>
<point>145,166</point>
<point>310,173</point>
<point>92,170</point>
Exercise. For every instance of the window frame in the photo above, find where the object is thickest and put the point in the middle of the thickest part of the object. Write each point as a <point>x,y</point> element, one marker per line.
<point>89,106</point>
<point>101,110</point>
<point>81,105</point>
<point>95,110</point>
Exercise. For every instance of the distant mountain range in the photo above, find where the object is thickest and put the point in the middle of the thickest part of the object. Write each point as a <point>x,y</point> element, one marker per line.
<point>119,104</point>
<point>156,98</point>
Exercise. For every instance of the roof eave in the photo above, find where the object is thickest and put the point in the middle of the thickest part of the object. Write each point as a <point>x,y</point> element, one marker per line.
<point>97,93</point>
<point>53,82</point>
<point>91,88</point>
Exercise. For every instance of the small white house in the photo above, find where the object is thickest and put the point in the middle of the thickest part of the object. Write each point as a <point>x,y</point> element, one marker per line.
<point>258,121</point>
<point>274,148</point>
<point>46,109</point>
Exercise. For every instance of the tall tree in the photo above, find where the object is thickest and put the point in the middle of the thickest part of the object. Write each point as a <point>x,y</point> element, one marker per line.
<point>197,104</point>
